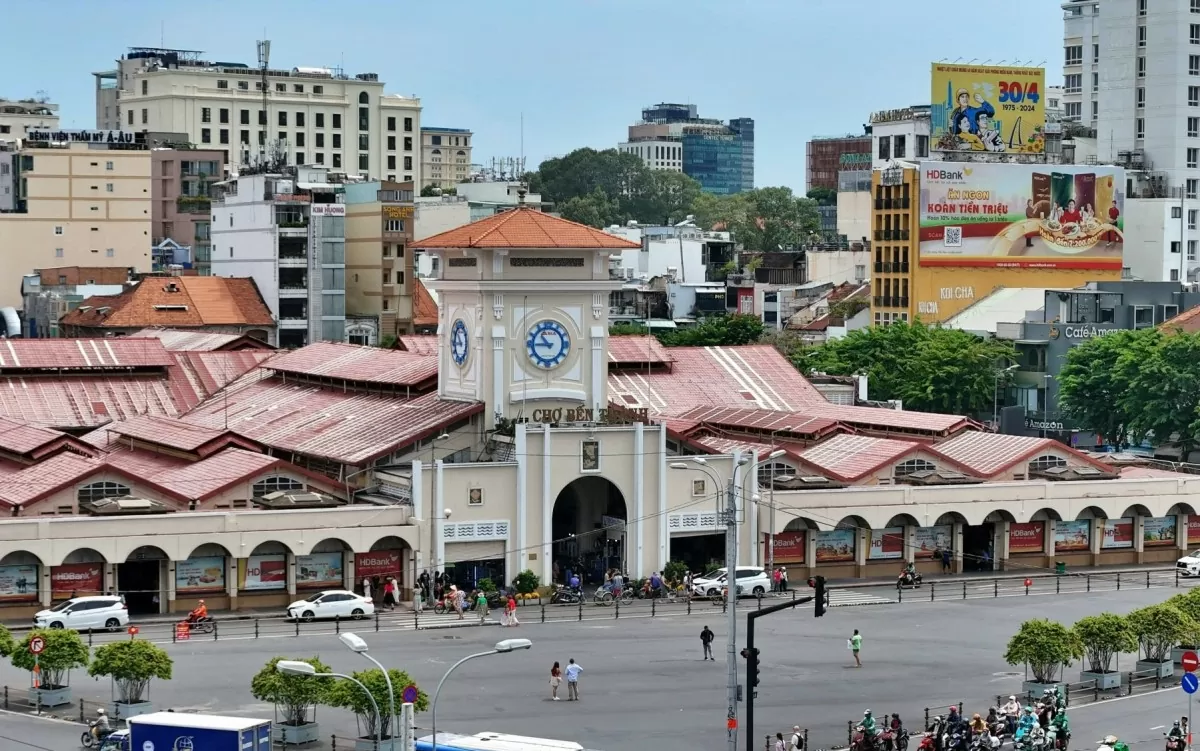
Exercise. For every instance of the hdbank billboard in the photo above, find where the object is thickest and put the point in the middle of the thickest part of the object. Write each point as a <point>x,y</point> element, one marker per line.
<point>1021,215</point>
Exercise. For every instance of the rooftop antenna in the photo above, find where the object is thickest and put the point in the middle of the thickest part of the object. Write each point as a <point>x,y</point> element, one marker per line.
<point>162,34</point>
<point>264,58</point>
<point>522,137</point>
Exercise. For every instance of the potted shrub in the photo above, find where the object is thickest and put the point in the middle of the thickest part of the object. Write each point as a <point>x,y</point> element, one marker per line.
<point>347,695</point>
<point>1189,603</point>
<point>526,583</point>
<point>7,645</point>
<point>295,698</point>
<point>1158,628</point>
<point>64,652</point>
<point>1102,638</point>
<point>131,665</point>
<point>1043,647</point>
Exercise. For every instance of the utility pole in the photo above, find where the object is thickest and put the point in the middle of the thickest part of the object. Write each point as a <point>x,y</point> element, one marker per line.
<point>751,655</point>
<point>731,546</point>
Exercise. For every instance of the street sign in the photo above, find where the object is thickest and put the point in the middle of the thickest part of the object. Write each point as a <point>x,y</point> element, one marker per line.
<point>133,631</point>
<point>1028,583</point>
<point>1190,683</point>
<point>410,694</point>
<point>1190,661</point>
<point>183,631</point>
<point>37,645</point>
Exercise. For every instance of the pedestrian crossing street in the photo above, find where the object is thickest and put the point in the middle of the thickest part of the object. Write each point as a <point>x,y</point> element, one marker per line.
<point>842,597</point>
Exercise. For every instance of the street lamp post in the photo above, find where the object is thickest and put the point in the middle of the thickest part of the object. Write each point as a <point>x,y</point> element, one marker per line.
<point>502,647</point>
<point>356,644</point>
<point>295,667</point>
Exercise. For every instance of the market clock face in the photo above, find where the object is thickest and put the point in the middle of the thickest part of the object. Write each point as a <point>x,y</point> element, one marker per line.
<point>458,343</point>
<point>547,344</point>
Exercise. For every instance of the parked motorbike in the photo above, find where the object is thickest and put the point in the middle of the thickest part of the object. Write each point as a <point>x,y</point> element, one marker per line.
<point>565,596</point>
<point>908,580</point>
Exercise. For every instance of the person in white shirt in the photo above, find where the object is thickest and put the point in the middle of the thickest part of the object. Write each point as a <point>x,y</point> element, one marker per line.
<point>573,671</point>
<point>797,740</point>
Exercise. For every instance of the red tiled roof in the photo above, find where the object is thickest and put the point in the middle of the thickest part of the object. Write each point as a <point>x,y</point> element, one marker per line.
<point>850,457</point>
<point>989,454</point>
<point>342,426</point>
<point>351,362</point>
<point>199,341</point>
<point>1152,473</point>
<point>724,444</point>
<point>1188,322</point>
<point>525,227</point>
<point>22,438</point>
<point>81,354</point>
<point>755,376</point>
<point>880,418</point>
<point>176,301</point>
<point>419,344</point>
<point>46,477</point>
<point>166,431</point>
<point>762,420</point>
<point>639,350</point>
<point>425,310</point>
<point>140,463</point>
<point>199,480</point>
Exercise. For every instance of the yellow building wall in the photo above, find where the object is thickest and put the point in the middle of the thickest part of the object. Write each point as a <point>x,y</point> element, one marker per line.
<point>940,293</point>
<point>364,259</point>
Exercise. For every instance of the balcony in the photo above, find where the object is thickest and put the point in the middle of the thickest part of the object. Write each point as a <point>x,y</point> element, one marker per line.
<point>903,267</point>
<point>878,234</point>
<point>291,220</point>
<point>878,267</point>
<point>193,204</point>
<point>903,234</point>
<point>877,301</point>
<point>887,267</point>
<point>293,324</point>
<point>902,203</point>
<point>901,302</point>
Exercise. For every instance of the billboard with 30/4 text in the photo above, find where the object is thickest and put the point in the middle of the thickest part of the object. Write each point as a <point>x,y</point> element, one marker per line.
<point>987,108</point>
<point>1022,215</point>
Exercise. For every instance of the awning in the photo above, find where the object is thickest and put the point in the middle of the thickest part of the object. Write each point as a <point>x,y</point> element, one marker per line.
<point>1032,341</point>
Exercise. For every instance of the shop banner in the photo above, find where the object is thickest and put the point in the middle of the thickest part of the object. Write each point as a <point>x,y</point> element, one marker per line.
<point>262,572</point>
<point>886,543</point>
<point>789,548</point>
<point>1029,537</point>
<point>929,540</point>
<point>377,563</point>
<point>19,582</point>
<point>1118,533</point>
<point>320,570</point>
<point>1072,537</point>
<point>836,545</point>
<point>76,580</point>
<point>1193,529</point>
<point>196,575</point>
<point>1158,531</point>
<point>998,109</point>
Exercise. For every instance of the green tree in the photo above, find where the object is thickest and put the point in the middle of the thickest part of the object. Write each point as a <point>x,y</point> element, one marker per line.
<point>1044,646</point>
<point>64,652</point>
<point>6,641</point>
<point>621,177</point>
<point>667,198</point>
<point>625,328</point>
<point>1163,398</point>
<point>765,219</point>
<point>1102,637</point>
<point>1095,378</point>
<point>594,209</point>
<point>526,582</point>
<point>1158,628</point>
<point>346,695</point>
<point>674,571</point>
<point>718,331</point>
<point>131,665</point>
<point>294,695</point>
<point>823,196</point>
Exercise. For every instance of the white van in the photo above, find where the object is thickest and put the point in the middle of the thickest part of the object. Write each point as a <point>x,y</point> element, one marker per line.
<point>85,613</point>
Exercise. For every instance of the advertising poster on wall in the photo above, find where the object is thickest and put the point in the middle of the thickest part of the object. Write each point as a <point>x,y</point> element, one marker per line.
<point>928,540</point>
<point>381,563</point>
<point>320,570</point>
<point>1073,537</point>
<point>76,580</point>
<point>987,108</point>
<point>789,547</point>
<point>1021,215</point>
<point>196,575</point>
<point>836,545</point>
<point>1158,531</point>
<point>1029,537</point>
<point>18,583</point>
<point>1193,530</point>
<point>259,572</point>
<point>886,543</point>
<point>1118,533</point>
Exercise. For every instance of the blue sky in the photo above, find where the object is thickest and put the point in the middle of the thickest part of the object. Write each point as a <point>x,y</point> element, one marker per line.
<point>579,70</point>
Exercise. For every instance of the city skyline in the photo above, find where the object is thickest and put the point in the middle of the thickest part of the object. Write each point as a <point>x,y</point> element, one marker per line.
<point>595,96</point>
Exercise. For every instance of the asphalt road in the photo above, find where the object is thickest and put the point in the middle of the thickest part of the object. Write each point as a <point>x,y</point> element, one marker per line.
<point>645,687</point>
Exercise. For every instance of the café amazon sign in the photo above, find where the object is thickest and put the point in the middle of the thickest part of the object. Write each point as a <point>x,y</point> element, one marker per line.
<point>111,137</point>
<point>1080,332</point>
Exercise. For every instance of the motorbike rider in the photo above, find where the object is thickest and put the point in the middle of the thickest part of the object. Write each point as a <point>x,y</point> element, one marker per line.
<point>977,726</point>
<point>1062,731</point>
<point>1011,711</point>
<point>100,726</point>
<point>895,724</point>
<point>909,572</point>
<point>1175,736</point>
<point>1027,723</point>
<point>199,613</point>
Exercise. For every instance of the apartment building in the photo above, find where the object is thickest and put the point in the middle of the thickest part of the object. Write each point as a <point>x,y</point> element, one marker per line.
<point>311,116</point>
<point>286,231</point>
<point>19,116</point>
<point>720,156</point>
<point>379,264</point>
<point>82,198</point>
<point>445,156</point>
<point>182,211</point>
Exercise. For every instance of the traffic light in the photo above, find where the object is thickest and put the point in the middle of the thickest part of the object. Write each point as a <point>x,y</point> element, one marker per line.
<point>751,656</point>
<point>820,597</point>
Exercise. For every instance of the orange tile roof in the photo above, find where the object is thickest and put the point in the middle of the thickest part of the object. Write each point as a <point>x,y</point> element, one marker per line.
<point>425,310</point>
<point>1188,322</point>
<point>202,301</point>
<point>525,227</point>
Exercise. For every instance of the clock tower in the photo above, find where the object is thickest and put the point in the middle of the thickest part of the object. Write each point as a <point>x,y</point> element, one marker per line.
<point>523,314</point>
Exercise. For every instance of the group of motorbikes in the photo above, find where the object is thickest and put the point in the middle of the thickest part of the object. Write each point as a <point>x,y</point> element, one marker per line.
<point>1041,726</point>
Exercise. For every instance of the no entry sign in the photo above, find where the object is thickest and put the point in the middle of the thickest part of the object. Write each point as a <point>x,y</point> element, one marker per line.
<point>1190,661</point>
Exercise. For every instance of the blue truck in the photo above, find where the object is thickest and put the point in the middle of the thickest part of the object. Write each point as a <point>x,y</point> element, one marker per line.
<point>182,731</point>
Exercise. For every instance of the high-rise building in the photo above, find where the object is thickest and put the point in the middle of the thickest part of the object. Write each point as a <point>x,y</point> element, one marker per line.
<point>181,212</point>
<point>379,264</point>
<point>829,155</point>
<point>445,156</point>
<point>314,116</point>
<point>674,137</point>
<point>20,116</point>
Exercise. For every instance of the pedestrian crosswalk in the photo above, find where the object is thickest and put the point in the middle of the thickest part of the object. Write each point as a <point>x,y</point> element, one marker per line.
<point>838,597</point>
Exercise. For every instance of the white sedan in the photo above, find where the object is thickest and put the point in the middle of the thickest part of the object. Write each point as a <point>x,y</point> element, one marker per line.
<point>331,603</point>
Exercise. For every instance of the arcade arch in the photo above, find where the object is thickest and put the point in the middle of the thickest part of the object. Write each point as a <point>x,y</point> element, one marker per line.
<point>589,529</point>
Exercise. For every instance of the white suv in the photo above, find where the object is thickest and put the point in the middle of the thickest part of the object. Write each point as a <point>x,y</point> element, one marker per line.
<point>751,580</point>
<point>85,613</point>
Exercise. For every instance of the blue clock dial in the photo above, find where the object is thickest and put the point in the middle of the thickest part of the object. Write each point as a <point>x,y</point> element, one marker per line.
<point>458,342</point>
<point>548,344</point>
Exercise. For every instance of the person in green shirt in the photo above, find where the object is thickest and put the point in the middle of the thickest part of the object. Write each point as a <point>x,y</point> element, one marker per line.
<point>481,605</point>
<point>855,647</point>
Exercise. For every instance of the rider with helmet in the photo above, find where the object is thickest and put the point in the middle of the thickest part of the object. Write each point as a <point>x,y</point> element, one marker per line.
<point>199,613</point>
<point>100,726</point>
<point>1027,723</point>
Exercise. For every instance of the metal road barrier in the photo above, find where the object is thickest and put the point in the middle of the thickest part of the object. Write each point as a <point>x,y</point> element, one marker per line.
<point>1089,692</point>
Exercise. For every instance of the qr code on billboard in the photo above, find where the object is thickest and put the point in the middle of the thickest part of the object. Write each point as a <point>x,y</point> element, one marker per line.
<point>953,237</point>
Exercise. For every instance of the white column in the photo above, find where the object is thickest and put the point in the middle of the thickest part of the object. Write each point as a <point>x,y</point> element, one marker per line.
<point>46,586</point>
<point>547,505</point>
<point>420,554</point>
<point>751,512</point>
<point>499,397</point>
<point>599,370</point>
<point>910,541</point>
<point>957,531</point>
<point>521,449</point>
<point>231,580</point>
<point>439,507</point>
<point>1181,533</point>
<point>165,603</point>
<point>1002,548</point>
<point>738,501</point>
<point>290,567</point>
<point>1048,540</point>
<point>664,548</point>
<point>1097,536</point>
<point>348,572</point>
<point>810,549</point>
<point>639,496</point>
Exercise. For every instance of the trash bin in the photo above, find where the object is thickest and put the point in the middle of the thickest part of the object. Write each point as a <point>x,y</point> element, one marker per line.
<point>1060,567</point>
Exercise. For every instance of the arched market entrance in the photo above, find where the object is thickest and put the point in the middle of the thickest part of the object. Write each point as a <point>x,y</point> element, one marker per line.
<point>589,529</point>
<point>140,580</point>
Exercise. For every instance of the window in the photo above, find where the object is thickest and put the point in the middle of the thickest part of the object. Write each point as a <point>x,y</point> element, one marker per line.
<point>58,252</point>
<point>205,135</point>
<point>1191,250</point>
<point>244,85</point>
<point>1072,110</point>
<point>108,187</point>
<point>225,116</point>
<point>1096,53</point>
<point>437,140</point>
<point>245,136</point>
<point>1177,212</point>
<point>1194,65</point>
<point>245,117</point>
<point>897,147</point>
<point>282,118</point>
<point>58,230</point>
<point>337,140</point>
<point>1074,55</point>
<point>408,162</point>
<point>337,161</point>
<point>363,161</point>
<point>145,116</point>
<point>320,157</point>
<point>364,118</point>
<point>408,125</point>
<point>206,114</point>
<point>408,178</point>
<point>391,161</point>
<point>320,140</point>
<point>300,139</point>
<point>1045,462</point>
<point>100,490</point>
<point>1193,127</point>
<point>1174,275</point>
<point>906,468</point>
<point>299,119</point>
<point>1140,99</point>
<point>1072,83</point>
<point>387,277</point>
<point>1193,157</point>
<point>145,88</point>
<point>1095,109</point>
<point>393,225</point>
<point>391,123</point>
<point>1174,246</point>
<point>275,484</point>
<point>281,87</point>
<point>223,136</point>
<point>222,84</point>
<point>1096,80</point>
<point>391,143</point>
<point>282,136</point>
<point>364,141</point>
<point>1191,219</point>
<point>1190,188</point>
<point>1194,33</point>
<point>262,117</point>
<point>109,252</point>
<point>1194,96</point>
<point>885,147</point>
<point>1139,128</point>
<point>318,89</point>
<point>337,120</point>
<point>1196,6</point>
<point>130,113</point>
<point>922,146</point>
<point>299,157</point>
<point>408,143</point>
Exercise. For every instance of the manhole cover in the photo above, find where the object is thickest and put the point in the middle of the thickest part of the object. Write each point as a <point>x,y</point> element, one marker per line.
<point>459,637</point>
<point>1006,675</point>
